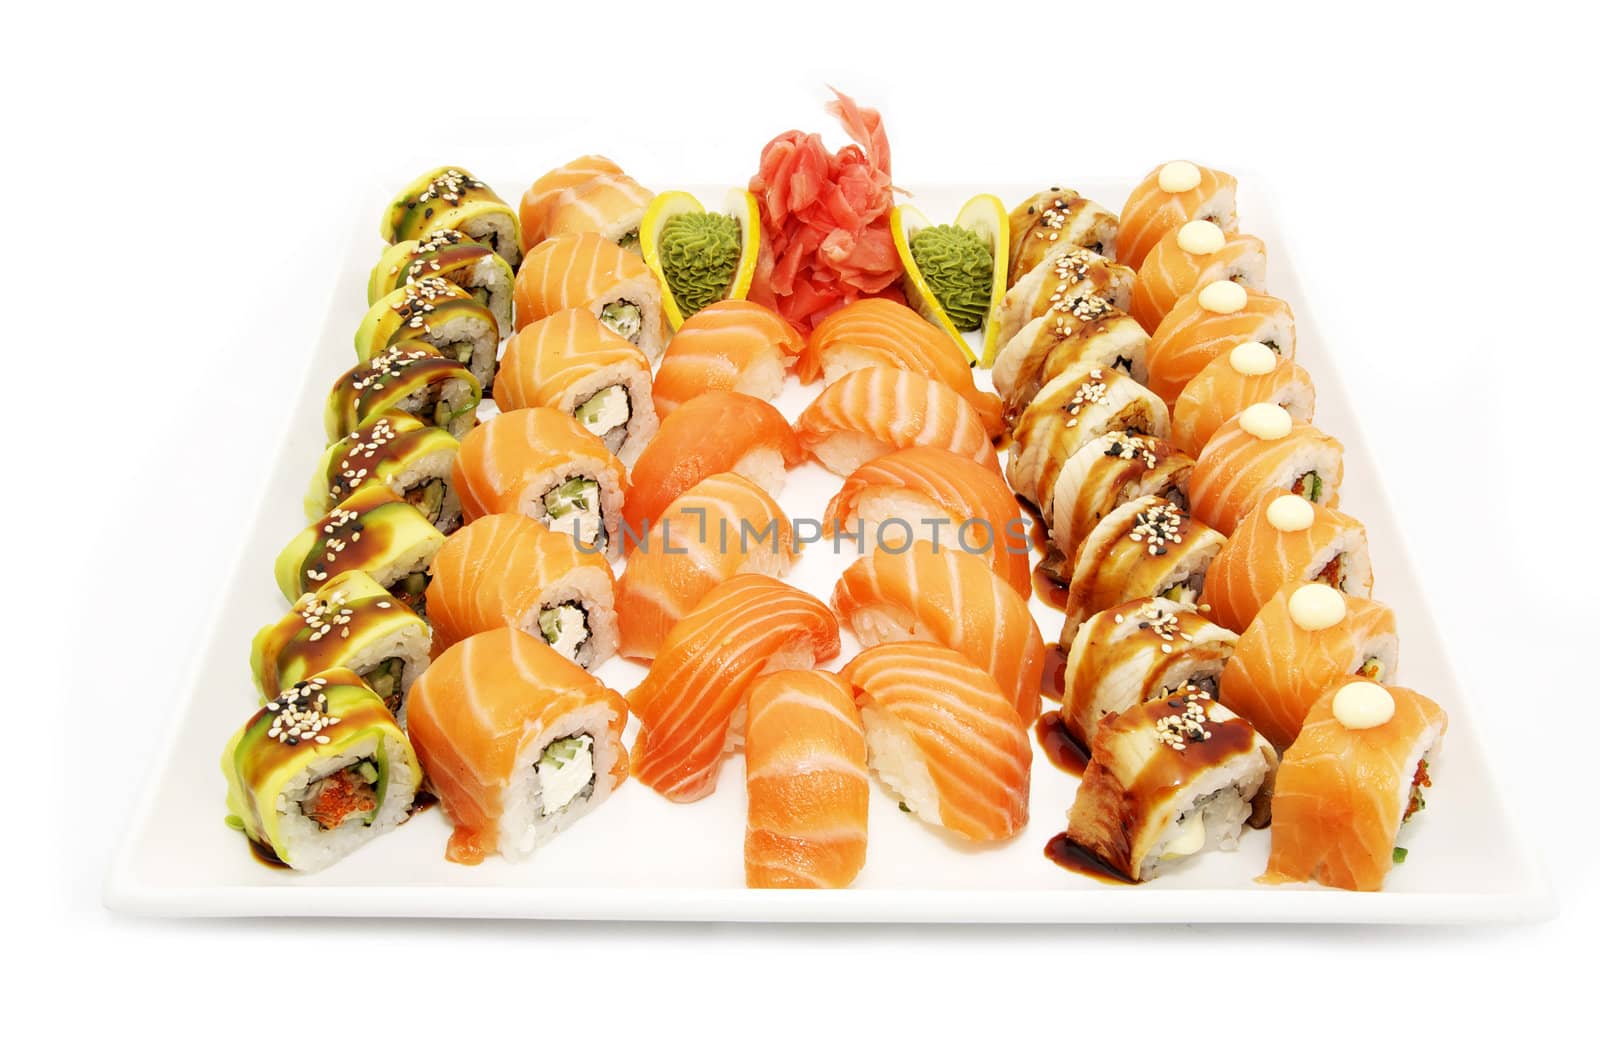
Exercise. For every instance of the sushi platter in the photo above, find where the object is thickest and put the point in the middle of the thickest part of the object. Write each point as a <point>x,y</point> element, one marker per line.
<point>671,842</point>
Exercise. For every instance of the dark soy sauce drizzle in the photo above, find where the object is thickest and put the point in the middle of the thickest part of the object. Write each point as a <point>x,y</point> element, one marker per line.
<point>1053,680</point>
<point>423,801</point>
<point>1060,748</point>
<point>1074,857</point>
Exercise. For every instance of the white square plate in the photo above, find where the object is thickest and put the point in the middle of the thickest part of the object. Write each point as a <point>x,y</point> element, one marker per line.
<point>642,857</point>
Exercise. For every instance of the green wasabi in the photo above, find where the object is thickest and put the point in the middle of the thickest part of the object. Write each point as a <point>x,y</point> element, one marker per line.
<point>959,270</point>
<point>699,254</point>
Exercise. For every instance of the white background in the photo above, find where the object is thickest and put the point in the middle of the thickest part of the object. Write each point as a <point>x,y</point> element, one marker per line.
<point>171,184</point>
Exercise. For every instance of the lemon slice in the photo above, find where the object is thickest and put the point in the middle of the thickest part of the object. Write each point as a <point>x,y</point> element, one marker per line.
<point>739,204</point>
<point>983,215</point>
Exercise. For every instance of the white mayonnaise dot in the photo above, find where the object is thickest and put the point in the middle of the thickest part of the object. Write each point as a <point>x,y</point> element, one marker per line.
<point>1266,420</point>
<point>1252,359</point>
<point>1362,705</point>
<point>1178,177</point>
<point>1201,238</point>
<point>1290,513</point>
<point>1316,606</point>
<point>1223,297</point>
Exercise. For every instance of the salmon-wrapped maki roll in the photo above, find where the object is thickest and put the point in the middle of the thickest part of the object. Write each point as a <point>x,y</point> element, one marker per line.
<point>348,622</point>
<point>1168,779</point>
<point>542,194</point>
<point>722,526</point>
<point>398,451</point>
<point>1054,222</point>
<point>925,492</point>
<point>1306,637</point>
<point>438,313</point>
<point>1146,548</point>
<point>946,596</point>
<point>871,412</point>
<point>1168,197</point>
<point>1051,290</point>
<point>732,345</point>
<point>1136,651</point>
<point>878,332</point>
<point>542,463</point>
<point>374,531</point>
<point>569,362</point>
<point>518,742</point>
<point>805,766</point>
<point>1262,448</point>
<point>409,377</point>
<point>508,570</point>
<point>320,771</point>
<point>450,255</point>
<point>943,738</point>
<point>1249,374</point>
<point>1189,258</point>
<point>1286,539</point>
<point>1107,472</point>
<point>451,198</point>
<point>1353,778</point>
<point>690,705</point>
<point>1071,411</point>
<point>1087,330</point>
<point>720,431</point>
<point>590,273</point>
<point>1212,321</point>
<point>610,205</point>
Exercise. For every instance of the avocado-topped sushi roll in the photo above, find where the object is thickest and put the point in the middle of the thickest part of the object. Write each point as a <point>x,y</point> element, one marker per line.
<point>348,622</point>
<point>1168,779</point>
<point>319,771</point>
<point>451,255</point>
<point>1055,221</point>
<point>439,313</point>
<point>398,451</point>
<point>407,377</point>
<point>373,531</point>
<point>451,198</point>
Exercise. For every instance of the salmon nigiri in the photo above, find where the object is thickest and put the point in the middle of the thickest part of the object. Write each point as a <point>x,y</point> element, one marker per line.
<point>1350,781</point>
<point>536,201</point>
<point>733,345</point>
<point>1168,197</point>
<point>1261,448</point>
<point>951,598</point>
<point>1209,322</point>
<point>1189,258</point>
<point>1250,373</point>
<point>722,526</point>
<point>689,704</point>
<point>880,332</point>
<point>805,759</point>
<point>517,741</point>
<point>908,493</point>
<point>942,736</point>
<point>720,431</point>
<point>871,412</point>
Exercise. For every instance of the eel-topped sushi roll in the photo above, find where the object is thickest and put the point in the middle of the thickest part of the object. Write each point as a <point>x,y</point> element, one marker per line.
<point>1307,637</point>
<point>1210,322</point>
<point>1249,374</point>
<point>412,459</point>
<point>1169,779</point>
<point>409,377</point>
<point>731,345</point>
<point>1061,287</point>
<point>542,194</point>
<point>1147,548</point>
<point>1106,472</point>
<point>1134,652</point>
<point>1054,222</point>
<point>319,771</point>
<point>518,742</point>
<point>451,198</point>
<point>448,255</point>
<point>1353,778</point>
<point>569,362</point>
<point>438,313</point>
<point>1086,330</point>
<point>1168,197</point>
<point>610,205</point>
<point>1260,449</point>
<point>588,272</point>
<point>350,622</point>
<point>1286,539</point>
<point>1189,258</point>
<point>870,412</point>
<point>374,531</point>
<point>543,464</point>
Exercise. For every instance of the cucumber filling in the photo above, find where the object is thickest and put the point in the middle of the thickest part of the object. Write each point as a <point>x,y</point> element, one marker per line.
<point>577,503</point>
<point>623,318</point>
<point>410,591</point>
<point>629,241</point>
<point>1419,781</point>
<point>566,772</point>
<point>1372,669</point>
<point>565,627</point>
<point>1309,487</point>
<point>337,796</point>
<point>428,497</point>
<point>461,351</point>
<point>1185,593</point>
<point>385,681</point>
<point>606,410</point>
